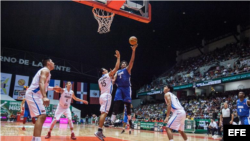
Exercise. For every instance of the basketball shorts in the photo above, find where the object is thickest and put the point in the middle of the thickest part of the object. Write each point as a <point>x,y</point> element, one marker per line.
<point>245,120</point>
<point>62,111</point>
<point>125,119</point>
<point>35,103</point>
<point>105,102</point>
<point>177,120</point>
<point>124,94</point>
<point>27,113</point>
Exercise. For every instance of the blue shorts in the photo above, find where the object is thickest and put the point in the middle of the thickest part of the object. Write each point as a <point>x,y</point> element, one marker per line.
<point>245,120</point>
<point>124,94</point>
<point>125,119</point>
<point>27,113</point>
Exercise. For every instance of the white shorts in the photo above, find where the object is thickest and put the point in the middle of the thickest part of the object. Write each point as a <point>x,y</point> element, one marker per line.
<point>105,102</point>
<point>177,120</point>
<point>59,111</point>
<point>35,103</point>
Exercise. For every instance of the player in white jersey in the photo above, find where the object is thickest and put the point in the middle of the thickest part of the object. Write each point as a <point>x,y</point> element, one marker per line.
<point>106,87</point>
<point>177,120</point>
<point>36,96</point>
<point>63,108</point>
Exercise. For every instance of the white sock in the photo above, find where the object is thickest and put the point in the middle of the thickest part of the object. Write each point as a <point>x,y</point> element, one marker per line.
<point>113,117</point>
<point>36,139</point>
<point>72,131</point>
<point>171,140</point>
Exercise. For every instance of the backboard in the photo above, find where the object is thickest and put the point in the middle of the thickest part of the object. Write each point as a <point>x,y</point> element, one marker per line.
<point>139,10</point>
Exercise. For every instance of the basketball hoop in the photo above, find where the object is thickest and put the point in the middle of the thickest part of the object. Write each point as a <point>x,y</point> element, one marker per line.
<point>104,19</point>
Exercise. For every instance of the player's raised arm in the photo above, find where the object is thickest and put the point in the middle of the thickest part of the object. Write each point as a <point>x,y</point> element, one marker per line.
<point>80,100</point>
<point>117,55</point>
<point>131,63</point>
<point>42,80</point>
<point>168,99</point>
<point>113,80</point>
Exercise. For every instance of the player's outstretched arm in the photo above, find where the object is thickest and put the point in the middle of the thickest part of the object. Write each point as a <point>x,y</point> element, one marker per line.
<point>56,88</point>
<point>42,80</point>
<point>131,63</point>
<point>80,100</point>
<point>113,80</point>
<point>117,55</point>
<point>168,99</point>
<point>248,103</point>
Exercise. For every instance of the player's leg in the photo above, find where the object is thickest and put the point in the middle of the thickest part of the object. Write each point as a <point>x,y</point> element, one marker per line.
<point>25,116</point>
<point>105,102</point>
<point>126,92</point>
<point>172,124</point>
<point>68,115</point>
<point>182,124</point>
<point>58,113</point>
<point>118,101</point>
<point>37,109</point>
<point>124,125</point>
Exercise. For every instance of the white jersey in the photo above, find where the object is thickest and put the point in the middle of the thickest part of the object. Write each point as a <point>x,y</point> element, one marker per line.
<point>175,103</point>
<point>35,82</point>
<point>105,84</point>
<point>65,99</point>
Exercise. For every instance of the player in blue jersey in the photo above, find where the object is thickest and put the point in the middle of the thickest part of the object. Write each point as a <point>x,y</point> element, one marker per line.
<point>26,113</point>
<point>123,92</point>
<point>243,109</point>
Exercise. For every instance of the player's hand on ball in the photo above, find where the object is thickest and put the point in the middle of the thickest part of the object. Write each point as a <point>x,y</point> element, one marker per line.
<point>134,47</point>
<point>46,101</point>
<point>117,54</point>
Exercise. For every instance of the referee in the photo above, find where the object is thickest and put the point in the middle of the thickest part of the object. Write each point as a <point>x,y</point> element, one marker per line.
<point>226,116</point>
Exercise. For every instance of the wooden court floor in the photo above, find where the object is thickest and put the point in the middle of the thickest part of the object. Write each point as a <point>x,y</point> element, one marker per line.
<point>61,132</point>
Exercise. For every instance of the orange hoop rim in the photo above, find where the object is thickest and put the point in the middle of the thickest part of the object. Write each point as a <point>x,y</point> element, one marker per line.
<point>93,10</point>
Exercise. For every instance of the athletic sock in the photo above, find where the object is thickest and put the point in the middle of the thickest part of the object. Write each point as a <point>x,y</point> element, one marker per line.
<point>113,117</point>
<point>72,131</point>
<point>171,140</point>
<point>100,129</point>
<point>36,139</point>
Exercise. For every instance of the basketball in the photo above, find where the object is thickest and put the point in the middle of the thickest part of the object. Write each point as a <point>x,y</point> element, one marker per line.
<point>133,40</point>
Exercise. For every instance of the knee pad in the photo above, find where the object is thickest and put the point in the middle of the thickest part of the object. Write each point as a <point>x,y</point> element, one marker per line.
<point>128,108</point>
<point>116,108</point>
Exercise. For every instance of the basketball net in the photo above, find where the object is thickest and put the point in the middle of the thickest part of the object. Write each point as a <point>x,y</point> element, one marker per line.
<point>104,19</point>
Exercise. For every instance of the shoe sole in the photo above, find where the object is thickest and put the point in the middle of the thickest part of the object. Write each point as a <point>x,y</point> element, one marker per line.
<point>99,137</point>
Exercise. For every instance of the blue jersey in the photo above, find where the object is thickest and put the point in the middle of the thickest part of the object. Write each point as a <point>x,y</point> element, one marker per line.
<point>123,78</point>
<point>243,109</point>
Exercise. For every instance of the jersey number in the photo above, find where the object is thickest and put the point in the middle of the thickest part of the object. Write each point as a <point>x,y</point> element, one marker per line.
<point>120,75</point>
<point>103,83</point>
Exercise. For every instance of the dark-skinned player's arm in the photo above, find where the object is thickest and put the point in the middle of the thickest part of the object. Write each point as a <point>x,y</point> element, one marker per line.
<point>117,65</point>
<point>168,99</point>
<point>42,80</point>
<point>80,100</point>
<point>131,63</point>
<point>248,103</point>
<point>113,80</point>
